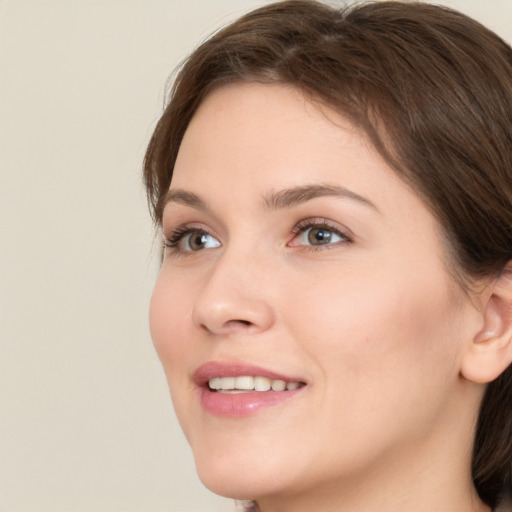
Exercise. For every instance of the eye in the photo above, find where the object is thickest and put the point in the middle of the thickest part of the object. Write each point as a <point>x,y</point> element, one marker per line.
<point>312,233</point>
<point>196,241</point>
<point>190,240</point>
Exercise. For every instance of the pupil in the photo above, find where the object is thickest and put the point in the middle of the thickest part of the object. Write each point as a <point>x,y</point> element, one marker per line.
<point>198,241</point>
<point>319,236</point>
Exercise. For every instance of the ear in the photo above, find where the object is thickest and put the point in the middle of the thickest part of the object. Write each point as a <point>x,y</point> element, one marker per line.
<point>490,352</point>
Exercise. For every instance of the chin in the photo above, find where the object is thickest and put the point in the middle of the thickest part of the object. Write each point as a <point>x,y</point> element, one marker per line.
<point>240,473</point>
<point>235,484</point>
<point>242,488</point>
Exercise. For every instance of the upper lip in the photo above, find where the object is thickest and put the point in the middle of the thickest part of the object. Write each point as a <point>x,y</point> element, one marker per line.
<point>212,369</point>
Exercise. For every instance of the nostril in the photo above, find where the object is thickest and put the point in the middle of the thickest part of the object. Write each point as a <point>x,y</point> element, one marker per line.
<point>203,327</point>
<point>227,325</point>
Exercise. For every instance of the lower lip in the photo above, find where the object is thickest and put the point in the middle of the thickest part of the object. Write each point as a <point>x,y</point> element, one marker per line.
<point>238,405</point>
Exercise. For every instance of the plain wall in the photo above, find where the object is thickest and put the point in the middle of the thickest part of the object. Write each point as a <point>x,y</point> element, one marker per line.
<point>86,423</point>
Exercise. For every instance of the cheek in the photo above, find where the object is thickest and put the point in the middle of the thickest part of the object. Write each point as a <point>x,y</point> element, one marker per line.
<point>383,341</point>
<point>167,310</point>
<point>380,309</point>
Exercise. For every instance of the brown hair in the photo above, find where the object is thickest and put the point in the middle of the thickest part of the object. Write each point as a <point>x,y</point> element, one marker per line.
<point>432,90</point>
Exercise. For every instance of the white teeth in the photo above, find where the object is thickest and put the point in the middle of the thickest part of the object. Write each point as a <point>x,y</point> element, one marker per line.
<point>278,385</point>
<point>215,383</point>
<point>228,383</point>
<point>262,384</point>
<point>248,383</point>
<point>245,383</point>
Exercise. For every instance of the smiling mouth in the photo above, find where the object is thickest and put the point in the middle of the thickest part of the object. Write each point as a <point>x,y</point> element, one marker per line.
<point>238,390</point>
<point>248,384</point>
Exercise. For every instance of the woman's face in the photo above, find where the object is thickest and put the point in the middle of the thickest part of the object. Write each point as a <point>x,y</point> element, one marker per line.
<point>295,254</point>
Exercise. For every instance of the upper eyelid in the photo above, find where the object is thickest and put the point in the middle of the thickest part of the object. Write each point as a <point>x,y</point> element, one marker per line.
<point>324,222</point>
<point>171,228</point>
<point>185,229</point>
<point>177,214</point>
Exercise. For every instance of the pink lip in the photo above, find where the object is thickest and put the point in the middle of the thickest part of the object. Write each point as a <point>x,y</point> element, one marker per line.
<point>242,404</point>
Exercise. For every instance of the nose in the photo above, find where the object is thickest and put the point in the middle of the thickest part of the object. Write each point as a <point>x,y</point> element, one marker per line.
<point>234,298</point>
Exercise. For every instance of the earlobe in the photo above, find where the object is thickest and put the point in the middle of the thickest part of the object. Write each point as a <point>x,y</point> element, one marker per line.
<point>490,352</point>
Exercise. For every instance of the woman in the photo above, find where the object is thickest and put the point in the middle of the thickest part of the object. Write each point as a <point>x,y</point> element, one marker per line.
<point>334,307</point>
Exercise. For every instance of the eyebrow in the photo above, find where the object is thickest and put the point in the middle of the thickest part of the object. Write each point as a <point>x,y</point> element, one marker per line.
<point>186,198</point>
<point>291,197</point>
<point>287,198</point>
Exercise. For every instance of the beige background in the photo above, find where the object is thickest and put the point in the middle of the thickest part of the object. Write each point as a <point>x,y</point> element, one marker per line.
<point>85,419</point>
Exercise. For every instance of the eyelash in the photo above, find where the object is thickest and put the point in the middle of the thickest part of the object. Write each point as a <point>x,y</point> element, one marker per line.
<point>302,226</point>
<point>173,241</point>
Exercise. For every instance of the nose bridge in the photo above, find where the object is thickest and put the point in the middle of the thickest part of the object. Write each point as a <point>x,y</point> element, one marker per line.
<point>234,296</point>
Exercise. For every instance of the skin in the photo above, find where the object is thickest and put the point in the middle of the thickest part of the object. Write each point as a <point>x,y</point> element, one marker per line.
<point>373,322</point>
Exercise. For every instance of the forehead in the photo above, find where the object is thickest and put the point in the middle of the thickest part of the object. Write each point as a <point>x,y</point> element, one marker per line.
<point>266,137</point>
<point>255,126</point>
